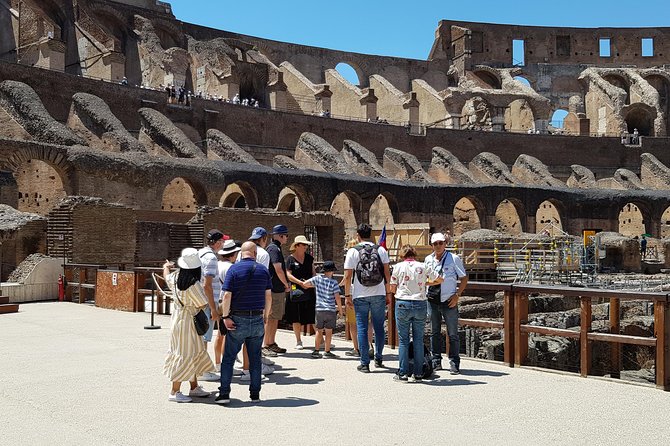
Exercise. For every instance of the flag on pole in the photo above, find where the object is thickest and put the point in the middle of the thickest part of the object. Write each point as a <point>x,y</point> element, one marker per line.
<point>382,238</point>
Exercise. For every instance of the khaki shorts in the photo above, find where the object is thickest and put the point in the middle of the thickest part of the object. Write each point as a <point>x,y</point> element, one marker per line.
<point>278,304</point>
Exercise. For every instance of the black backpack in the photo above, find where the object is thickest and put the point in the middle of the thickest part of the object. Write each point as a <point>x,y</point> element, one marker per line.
<point>370,269</point>
<point>427,361</point>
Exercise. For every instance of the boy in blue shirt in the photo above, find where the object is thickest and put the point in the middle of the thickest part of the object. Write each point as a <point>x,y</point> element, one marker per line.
<point>327,296</point>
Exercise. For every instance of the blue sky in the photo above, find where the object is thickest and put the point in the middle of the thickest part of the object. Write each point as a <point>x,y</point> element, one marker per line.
<point>404,28</point>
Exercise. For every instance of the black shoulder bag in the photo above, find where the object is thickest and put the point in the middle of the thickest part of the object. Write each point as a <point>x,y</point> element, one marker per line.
<point>200,320</point>
<point>434,292</point>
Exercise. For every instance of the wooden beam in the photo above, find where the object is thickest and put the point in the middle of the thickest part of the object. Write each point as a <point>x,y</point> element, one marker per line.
<point>615,328</point>
<point>585,344</point>
<point>480,323</point>
<point>508,328</point>
<point>622,339</point>
<point>549,331</point>
<point>662,332</point>
<point>520,318</point>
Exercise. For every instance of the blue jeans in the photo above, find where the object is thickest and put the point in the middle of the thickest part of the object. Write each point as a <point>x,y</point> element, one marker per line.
<point>363,306</point>
<point>450,316</point>
<point>411,314</point>
<point>248,330</point>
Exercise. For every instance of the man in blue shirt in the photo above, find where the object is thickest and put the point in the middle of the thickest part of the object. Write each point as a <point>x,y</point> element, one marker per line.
<point>246,305</point>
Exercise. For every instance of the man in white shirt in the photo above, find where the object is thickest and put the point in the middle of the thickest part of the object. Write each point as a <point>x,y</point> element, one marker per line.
<point>368,265</point>
<point>445,304</point>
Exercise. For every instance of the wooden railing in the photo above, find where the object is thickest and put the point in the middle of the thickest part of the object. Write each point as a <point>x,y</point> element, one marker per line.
<point>82,282</point>
<point>516,328</point>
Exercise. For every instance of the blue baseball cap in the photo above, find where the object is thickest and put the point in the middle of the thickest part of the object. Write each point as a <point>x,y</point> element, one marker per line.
<point>280,229</point>
<point>257,233</point>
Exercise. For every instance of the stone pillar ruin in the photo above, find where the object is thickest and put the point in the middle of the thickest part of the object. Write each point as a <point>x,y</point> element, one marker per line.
<point>369,101</point>
<point>498,119</point>
<point>453,121</point>
<point>51,54</point>
<point>323,99</point>
<point>277,89</point>
<point>114,66</point>
<point>412,104</point>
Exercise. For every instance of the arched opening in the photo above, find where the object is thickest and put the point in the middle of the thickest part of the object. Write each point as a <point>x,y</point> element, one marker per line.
<point>665,224</point>
<point>523,81</point>
<point>507,218</point>
<point>167,39</point>
<point>620,82</point>
<point>380,212</point>
<point>466,217</point>
<point>40,187</point>
<point>343,208</point>
<point>631,222</point>
<point>558,118</point>
<point>288,201</point>
<point>519,117</point>
<point>639,118</point>
<point>476,115</point>
<point>489,79</point>
<point>349,73</point>
<point>661,84</point>
<point>179,196</point>
<point>238,195</point>
<point>548,219</point>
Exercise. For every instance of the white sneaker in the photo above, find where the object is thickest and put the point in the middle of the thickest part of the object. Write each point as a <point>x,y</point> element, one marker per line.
<point>298,346</point>
<point>246,376</point>
<point>199,392</point>
<point>267,361</point>
<point>267,370</point>
<point>179,398</point>
<point>218,368</point>
<point>237,371</point>
<point>209,376</point>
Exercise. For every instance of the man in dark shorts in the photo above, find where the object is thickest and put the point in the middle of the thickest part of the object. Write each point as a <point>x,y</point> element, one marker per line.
<point>280,287</point>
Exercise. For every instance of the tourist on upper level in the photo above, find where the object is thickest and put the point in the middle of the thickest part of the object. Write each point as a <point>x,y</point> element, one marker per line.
<point>300,267</point>
<point>408,282</point>
<point>443,301</point>
<point>636,137</point>
<point>368,264</point>
<point>236,99</point>
<point>643,246</point>
<point>187,356</point>
<point>280,287</point>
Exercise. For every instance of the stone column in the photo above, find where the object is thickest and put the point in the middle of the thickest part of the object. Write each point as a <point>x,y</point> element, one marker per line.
<point>412,104</point>
<point>277,89</point>
<point>369,101</point>
<point>498,119</point>
<point>453,121</point>
<point>323,99</point>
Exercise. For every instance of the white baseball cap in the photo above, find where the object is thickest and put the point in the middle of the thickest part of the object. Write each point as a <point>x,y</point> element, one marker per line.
<point>437,237</point>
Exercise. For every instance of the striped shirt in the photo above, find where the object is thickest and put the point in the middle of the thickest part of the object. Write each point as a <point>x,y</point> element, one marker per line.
<point>326,289</point>
<point>248,293</point>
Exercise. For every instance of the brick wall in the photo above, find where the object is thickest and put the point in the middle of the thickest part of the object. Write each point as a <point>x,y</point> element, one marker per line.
<point>103,234</point>
<point>153,241</point>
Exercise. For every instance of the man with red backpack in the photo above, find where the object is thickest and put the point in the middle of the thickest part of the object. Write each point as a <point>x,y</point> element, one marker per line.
<point>368,265</point>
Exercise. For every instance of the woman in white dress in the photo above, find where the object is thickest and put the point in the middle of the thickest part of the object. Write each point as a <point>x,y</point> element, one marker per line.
<point>187,357</point>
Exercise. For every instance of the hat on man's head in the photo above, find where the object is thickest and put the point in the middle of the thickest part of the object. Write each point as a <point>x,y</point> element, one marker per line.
<point>437,237</point>
<point>280,229</point>
<point>229,247</point>
<point>214,235</point>
<point>189,259</point>
<point>257,233</point>
<point>329,265</point>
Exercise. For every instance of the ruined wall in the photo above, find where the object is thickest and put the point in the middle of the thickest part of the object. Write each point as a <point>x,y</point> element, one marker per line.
<point>40,187</point>
<point>104,234</point>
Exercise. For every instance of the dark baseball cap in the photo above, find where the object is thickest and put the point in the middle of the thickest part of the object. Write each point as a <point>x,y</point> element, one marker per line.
<point>215,235</point>
<point>257,233</point>
<point>329,265</point>
<point>280,229</point>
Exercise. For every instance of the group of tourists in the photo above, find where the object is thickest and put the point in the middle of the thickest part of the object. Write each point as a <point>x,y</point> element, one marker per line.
<point>245,289</point>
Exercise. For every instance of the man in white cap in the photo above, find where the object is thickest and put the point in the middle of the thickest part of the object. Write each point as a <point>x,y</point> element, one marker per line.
<point>443,300</point>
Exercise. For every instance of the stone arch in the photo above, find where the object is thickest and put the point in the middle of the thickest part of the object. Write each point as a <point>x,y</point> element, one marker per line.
<point>558,118</point>
<point>523,80</point>
<point>239,194</point>
<point>383,211</point>
<point>632,220</point>
<point>183,195</point>
<point>344,206</point>
<point>641,117</point>
<point>63,168</point>
<point>619,81</point>
<point>295,198</point>
<point>349,70</point>
<point>665,223</point>
<point>53,11</point>
<point>662,85</point>
<point>40,187</point>
<point>519,116</point>
<point>168,34</point>
<point>548,217</point>
<point>508,216</point>
<point>489,76</point>
<point>112,21</point>
<point>467,215</point>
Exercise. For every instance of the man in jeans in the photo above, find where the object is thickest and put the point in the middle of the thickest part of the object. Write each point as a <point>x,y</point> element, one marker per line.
<point>451,268</point>
<point>246,306</point>
<point>368,299</point>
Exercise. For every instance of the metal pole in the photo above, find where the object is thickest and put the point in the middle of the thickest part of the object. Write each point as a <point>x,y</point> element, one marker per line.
<point>152,326</point>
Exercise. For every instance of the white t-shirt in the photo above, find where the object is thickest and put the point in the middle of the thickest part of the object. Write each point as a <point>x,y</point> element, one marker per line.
<point>359,290</point>
<point>452,272</point>
<point>410,277</point>
<point>210,269</point>
<point>223,270</point>
<point>262,257</point>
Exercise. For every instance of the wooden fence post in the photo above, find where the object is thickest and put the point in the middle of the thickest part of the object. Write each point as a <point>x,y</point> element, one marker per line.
<point>615,328</point>
<point>508,328</point>
<point>520,318</point>
<point>662,332</point>
<point>585,344</point>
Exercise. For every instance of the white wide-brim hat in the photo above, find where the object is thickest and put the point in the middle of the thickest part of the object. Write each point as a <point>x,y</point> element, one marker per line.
<point>229,247</point>
<point>300,240</point>
<point>189,259</point>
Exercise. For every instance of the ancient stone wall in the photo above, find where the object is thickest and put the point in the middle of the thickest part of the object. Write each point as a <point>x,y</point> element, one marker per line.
<point>104,234</point>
